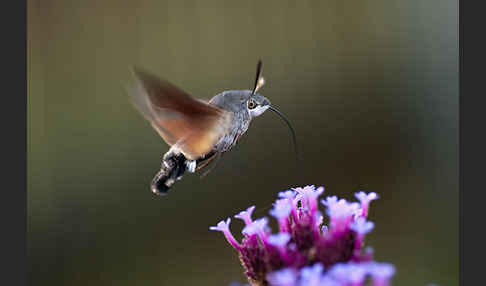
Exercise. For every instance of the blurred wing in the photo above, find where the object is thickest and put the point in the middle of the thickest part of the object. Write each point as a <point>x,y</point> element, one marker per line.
<point>195,126</point>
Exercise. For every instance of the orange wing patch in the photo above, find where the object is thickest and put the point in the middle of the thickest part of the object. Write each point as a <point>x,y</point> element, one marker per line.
<point>195,126</point>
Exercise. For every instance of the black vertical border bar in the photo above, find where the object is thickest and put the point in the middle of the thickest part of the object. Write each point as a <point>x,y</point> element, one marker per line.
<point>472,143</point>
<point>13,118</point>
<point>461,134</point>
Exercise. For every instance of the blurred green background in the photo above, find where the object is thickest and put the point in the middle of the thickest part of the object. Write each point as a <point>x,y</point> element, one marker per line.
<point>370,86</point>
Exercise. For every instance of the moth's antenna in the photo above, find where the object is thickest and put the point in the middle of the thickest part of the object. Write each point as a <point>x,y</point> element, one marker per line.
<point>259,81</point>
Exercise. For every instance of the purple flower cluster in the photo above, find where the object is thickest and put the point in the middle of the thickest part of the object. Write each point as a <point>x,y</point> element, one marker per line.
<point>305,251</point>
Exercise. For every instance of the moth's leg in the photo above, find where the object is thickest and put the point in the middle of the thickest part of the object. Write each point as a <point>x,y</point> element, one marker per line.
<point>215,163</point>
<point>203,162</point>
<point>191,166</point>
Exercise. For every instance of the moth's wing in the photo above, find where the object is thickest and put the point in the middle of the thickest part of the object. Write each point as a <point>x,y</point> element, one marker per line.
<point>195,126</point>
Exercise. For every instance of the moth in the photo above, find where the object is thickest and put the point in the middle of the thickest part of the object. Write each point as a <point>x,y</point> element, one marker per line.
<point>198,132</point>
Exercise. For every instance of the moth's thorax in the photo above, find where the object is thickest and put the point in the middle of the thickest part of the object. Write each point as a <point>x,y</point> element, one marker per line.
<point>231,100</point>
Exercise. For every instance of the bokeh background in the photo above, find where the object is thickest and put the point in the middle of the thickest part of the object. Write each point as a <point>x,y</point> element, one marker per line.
<point>370,86</point>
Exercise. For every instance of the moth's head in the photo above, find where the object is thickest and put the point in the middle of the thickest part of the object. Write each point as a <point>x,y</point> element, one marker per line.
<point>242,101</point>
<point>256,104</point>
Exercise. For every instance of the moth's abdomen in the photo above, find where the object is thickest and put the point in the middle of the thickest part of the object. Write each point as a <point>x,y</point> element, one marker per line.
<point>172,170</point>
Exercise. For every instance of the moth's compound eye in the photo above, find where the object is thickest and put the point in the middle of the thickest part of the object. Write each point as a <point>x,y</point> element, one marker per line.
<point>251,104</point>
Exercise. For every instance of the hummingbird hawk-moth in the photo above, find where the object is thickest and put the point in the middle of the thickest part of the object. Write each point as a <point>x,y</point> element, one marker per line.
<point>198,132</point>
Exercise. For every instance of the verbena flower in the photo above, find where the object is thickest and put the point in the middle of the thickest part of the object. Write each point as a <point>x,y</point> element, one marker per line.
<point>305,251</point>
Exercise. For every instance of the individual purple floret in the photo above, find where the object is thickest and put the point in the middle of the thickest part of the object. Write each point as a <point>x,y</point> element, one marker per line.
<point>305,251</point>
<point>281,211</point>
<point>279,240</point>
<point>341,212</point>
<point>361,227</point>
<point>349,273</point>
<point>223,226</point>
<point>246,215</point>
<point>381,273</point>
<point>258,227</point>
<point>365,200</point>
<point>237,284</point>
<point>311,275</point>
<point>288,194</point>
<point>284,277</point>
<point>308,197</point>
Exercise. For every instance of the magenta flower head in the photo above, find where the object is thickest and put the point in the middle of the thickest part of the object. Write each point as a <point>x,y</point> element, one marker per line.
<point>305,251</point>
